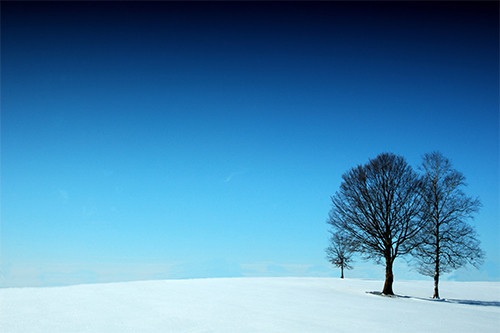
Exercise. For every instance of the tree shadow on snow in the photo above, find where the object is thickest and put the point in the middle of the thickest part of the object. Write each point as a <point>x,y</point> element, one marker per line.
<point>461,301</point>
<point>441,300</point>
<point>378,293</point>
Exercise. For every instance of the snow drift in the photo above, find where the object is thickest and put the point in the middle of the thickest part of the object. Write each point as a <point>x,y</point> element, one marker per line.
<point>252,305</point>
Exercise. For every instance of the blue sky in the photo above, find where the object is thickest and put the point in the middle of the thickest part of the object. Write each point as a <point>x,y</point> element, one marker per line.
<point>169,140</point>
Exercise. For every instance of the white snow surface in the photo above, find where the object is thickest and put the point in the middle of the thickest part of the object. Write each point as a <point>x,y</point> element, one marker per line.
<point>252,305</point>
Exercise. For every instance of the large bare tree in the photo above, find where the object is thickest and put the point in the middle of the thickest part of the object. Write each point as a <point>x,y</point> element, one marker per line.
<point>340,251</point>
<point>447,242</point>
<point>378,205</point>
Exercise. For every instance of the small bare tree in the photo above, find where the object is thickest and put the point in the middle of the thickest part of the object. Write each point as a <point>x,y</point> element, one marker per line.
<point>340,251</point>
<point>447,242</point>
<point>378,205</point>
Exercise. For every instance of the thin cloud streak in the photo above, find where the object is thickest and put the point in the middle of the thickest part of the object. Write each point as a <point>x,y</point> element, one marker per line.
<point>233,174</point>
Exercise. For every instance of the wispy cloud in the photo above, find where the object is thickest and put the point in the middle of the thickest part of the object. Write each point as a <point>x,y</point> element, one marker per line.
<point>64,195</point>
<point>233,174</point>
<point>89,210</point>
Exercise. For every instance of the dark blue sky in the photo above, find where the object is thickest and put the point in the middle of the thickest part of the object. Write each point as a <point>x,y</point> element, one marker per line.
<point>187,135</point>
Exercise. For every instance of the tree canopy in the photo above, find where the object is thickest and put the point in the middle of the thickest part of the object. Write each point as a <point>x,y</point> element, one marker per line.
<point>378,205</point>
<point>447,241</point>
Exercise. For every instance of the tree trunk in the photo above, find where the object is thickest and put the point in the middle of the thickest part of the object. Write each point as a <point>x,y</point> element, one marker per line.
<point>389,278</point>
<point>436,288</point>
<point>341,272</point>
<point>436,277</point>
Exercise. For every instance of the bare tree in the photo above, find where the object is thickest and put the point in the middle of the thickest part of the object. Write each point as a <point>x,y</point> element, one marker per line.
<point>447,242</point>
<point>340,251</point>
<point>378,205</point>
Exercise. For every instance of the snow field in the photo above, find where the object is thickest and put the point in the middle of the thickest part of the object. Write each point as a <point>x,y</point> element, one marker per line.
<point>252,305</point>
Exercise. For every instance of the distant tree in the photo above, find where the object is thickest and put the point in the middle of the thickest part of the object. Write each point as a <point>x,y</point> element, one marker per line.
<point>447,242</point>
<point>378,205</point>
<point>340,251</point>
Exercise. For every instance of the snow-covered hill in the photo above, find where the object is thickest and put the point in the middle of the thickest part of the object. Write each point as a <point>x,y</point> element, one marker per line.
<point>252,305</point>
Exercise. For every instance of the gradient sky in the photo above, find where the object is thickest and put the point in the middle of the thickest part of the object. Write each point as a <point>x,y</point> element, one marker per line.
<point>180,140</point>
